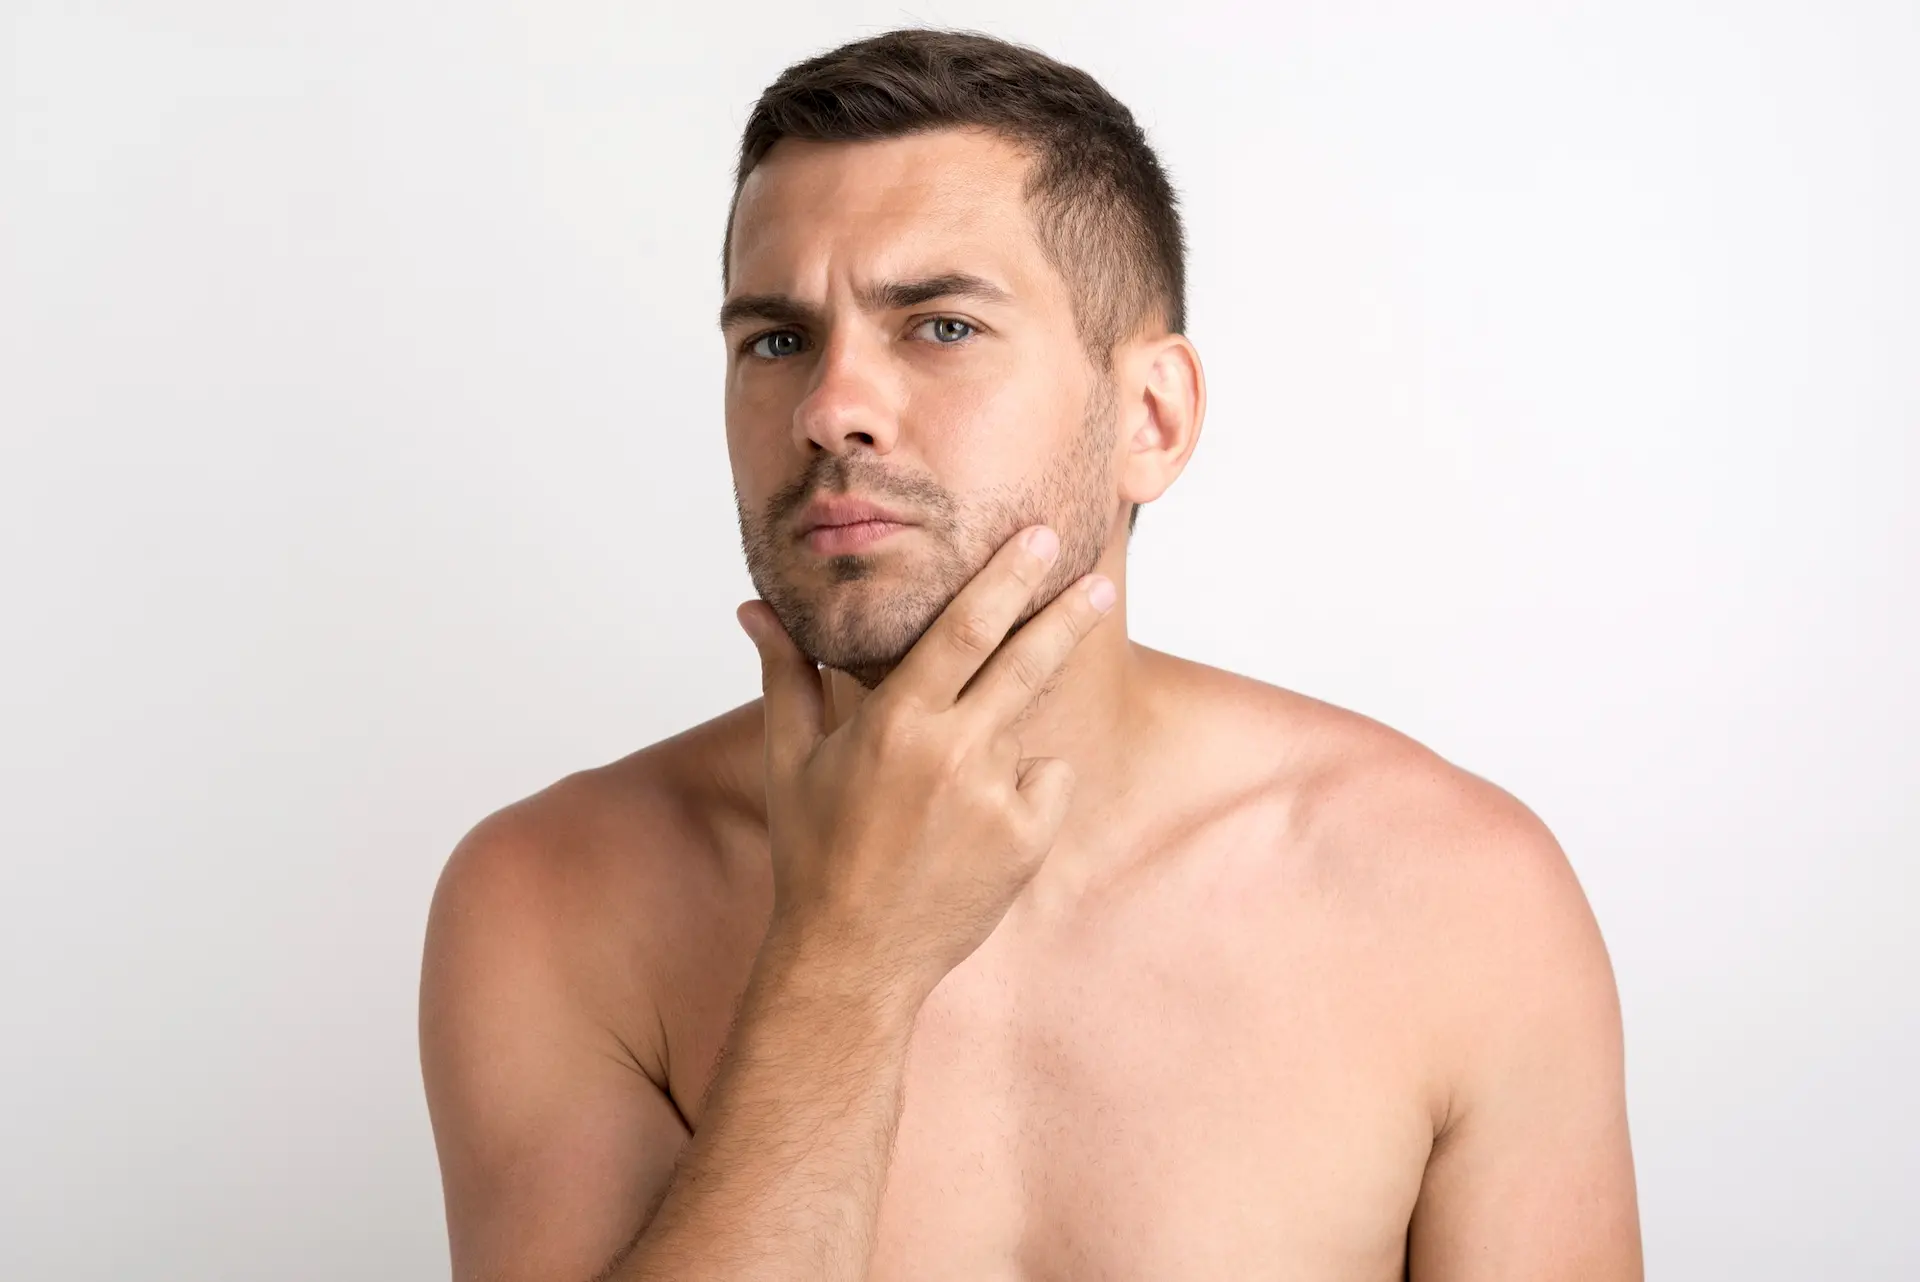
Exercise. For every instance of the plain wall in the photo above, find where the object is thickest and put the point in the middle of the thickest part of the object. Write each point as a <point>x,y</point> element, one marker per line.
<point>363,470</point>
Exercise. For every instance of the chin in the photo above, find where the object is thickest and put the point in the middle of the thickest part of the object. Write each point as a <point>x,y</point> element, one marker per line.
<point>861,655</point>
<point>862,614</point>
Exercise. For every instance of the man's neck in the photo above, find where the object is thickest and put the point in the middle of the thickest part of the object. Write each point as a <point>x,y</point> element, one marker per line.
<point>1097,717</point>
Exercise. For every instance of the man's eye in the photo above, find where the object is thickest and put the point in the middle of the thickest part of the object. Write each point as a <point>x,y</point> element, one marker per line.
<point>774,345</point>
<point>948,330</point>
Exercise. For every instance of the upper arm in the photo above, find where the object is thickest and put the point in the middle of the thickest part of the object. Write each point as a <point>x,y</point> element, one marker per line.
<point>1532,1175</point>
<point>552,1140</point>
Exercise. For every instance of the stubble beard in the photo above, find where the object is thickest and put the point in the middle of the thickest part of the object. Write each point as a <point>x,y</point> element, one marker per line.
<point>871,613</point>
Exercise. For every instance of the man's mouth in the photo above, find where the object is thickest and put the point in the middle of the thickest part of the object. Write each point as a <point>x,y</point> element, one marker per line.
<point>830,540</point>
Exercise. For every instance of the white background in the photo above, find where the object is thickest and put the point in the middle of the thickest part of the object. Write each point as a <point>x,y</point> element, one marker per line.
<point>363,471</point>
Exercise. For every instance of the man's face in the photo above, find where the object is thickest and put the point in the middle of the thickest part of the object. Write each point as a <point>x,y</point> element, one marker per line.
<point>971,413</point>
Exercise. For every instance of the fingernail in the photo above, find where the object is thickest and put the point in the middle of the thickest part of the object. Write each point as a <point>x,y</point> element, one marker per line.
<point>1101,593</point>
<point>1042,541</point>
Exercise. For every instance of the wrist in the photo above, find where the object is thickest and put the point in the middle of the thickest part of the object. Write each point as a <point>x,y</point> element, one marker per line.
<point>808,969</point>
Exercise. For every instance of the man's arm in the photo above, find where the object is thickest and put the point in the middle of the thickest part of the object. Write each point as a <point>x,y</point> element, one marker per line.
<point>559,1154</point>
<point>1531,1177</point>
<point>785,1177</point>
<point>552,1138</point>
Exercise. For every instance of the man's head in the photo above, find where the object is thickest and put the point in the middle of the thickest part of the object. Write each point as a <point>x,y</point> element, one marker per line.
<point>955,288</point>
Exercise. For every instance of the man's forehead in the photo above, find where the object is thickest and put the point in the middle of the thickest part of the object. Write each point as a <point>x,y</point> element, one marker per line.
<point>893,207</point>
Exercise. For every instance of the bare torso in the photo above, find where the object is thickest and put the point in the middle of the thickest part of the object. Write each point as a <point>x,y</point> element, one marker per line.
<point>1213,1060</point>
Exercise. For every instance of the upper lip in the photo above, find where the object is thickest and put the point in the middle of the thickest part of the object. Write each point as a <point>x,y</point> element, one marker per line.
<point>846,511</point>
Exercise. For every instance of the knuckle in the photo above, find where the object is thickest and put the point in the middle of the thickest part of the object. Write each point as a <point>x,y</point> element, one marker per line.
<point>971,633</point>
<point>1027,668</point>
<point>894,724</point>
<point>958,763</point>
<point>1029,569</point>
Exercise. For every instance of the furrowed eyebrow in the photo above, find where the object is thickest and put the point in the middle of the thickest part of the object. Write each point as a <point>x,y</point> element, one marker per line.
<point>781,309</point>
<point>891,295</point>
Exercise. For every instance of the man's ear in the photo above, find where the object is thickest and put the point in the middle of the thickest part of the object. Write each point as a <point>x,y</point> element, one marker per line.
<point>1163,402</point>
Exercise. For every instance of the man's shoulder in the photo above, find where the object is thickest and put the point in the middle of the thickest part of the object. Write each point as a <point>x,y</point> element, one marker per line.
<point>1448,896</point>
<point>1466,892</point>
<point>1392,828</point>
<point>652,811</point>
<point>1370,800</point>
<point>598,879</point>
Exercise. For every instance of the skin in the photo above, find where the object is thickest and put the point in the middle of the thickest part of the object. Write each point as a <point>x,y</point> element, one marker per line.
<point>1288,997</point>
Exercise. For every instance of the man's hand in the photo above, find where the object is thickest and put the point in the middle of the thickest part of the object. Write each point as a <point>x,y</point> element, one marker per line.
<point>900,840</point>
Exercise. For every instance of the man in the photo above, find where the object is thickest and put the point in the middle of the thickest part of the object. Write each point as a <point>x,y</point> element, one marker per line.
<point>988,943</point>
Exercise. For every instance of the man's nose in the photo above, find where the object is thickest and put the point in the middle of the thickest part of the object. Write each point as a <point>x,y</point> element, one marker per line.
<point>852,401</point>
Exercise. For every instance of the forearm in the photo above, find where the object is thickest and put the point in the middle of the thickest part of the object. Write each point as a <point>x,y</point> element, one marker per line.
<point>784,1175</point>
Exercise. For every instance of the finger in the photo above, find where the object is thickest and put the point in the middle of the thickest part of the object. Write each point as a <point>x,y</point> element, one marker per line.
<point>1021,668</point>
<point>794,702</point>
<point>973,625</point>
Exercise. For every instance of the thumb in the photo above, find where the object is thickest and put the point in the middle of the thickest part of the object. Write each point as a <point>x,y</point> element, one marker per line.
<point>795,704</point>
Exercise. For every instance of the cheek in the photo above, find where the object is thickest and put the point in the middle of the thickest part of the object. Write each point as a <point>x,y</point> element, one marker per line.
<point>979,434</point>
<point>1020,415</point>
<point>757,400</point>
<point>758,413</point>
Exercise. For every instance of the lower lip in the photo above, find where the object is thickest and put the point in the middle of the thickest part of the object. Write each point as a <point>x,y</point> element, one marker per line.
<point>830,539</point>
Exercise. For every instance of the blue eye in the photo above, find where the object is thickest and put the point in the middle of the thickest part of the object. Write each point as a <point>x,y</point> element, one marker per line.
<point>943,327</point>
<point>783,341</point>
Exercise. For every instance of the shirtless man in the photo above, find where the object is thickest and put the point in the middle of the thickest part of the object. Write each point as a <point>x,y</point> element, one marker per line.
<point>988,944</point>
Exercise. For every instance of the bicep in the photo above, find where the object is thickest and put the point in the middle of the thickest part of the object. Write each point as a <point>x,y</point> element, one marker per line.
<point>553,1143</point>
<point>1533,1176</point>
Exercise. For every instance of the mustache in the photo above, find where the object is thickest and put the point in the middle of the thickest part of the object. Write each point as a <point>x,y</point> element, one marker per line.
<point>834,476</point>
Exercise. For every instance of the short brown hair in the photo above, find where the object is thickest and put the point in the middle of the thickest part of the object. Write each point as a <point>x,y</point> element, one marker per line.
<point>1106,215</point>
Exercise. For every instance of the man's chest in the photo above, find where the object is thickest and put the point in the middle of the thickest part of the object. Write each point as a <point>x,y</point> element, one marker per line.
<point>1216,1066</point>
<point>1125,1111</point>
